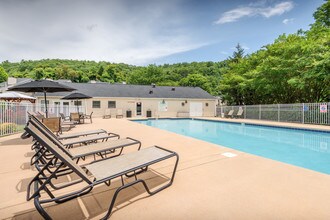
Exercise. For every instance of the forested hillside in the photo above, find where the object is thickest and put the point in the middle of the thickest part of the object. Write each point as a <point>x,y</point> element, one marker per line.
<point>203,74</point>
<point>294,68</point>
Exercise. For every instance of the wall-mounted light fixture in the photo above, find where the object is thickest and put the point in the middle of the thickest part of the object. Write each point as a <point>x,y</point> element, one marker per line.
<point>182,103</point>
<point>207,104</point>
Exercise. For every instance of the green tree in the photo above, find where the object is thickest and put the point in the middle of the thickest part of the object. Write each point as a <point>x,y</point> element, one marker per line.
<point>39,73</point>
<point>322,15</point>
<point>238,54</point>
<point>3,75</point>
<point>195,80</point>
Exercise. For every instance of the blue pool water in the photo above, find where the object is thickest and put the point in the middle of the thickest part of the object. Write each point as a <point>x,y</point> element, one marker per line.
<point>308,149</point>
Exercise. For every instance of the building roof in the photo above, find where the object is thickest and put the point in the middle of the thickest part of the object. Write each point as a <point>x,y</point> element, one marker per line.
<point>134,91</point>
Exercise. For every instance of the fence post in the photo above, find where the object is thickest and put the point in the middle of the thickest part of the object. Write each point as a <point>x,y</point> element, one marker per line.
<point>278,112</point>
<point>244,111</point>
<point>303,113</point>
<point>259,112</point>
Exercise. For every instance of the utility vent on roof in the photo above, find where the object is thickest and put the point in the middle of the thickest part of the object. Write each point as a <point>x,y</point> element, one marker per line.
<point>153,85</point>
<point>150,92</point>
<point>173,89</point>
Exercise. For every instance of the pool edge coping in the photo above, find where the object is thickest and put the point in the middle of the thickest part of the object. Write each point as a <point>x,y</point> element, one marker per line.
<point>240,122</point>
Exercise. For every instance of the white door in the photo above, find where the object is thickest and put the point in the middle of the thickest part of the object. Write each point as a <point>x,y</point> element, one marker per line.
<point>196,109</point>
<point>57,108</point>
<point>66,108</point>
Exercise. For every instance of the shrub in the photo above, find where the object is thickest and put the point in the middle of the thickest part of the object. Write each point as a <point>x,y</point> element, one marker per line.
<point>8,128</point>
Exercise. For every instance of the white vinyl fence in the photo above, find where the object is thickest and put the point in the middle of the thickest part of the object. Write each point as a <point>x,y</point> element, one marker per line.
<point>306,113</point>
<point>13,115</point>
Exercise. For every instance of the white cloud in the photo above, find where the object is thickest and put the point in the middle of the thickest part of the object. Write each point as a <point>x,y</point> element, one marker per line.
<point>115,31</point>
<point>255,9</point>
<point>288,21</point>
<point>235,14</point>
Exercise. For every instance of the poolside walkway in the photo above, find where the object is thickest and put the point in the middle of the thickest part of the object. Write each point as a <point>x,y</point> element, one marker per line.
<point>273,123</point>
<point>208,185</point>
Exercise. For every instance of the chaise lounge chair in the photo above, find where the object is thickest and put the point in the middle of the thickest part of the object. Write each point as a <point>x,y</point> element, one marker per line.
<point>80,134</point>
<point>107,114</point>
<point>239,113</point>
<point>129,165</point>
<point>230,114</point>
<point>86,139</point>
<point>101,149</point>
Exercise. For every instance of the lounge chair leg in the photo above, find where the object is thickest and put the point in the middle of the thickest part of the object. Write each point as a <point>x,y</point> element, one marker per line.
<point>129,185</point>
<point>115,197</point>
<point>39,208</point>
<point>142,170</point>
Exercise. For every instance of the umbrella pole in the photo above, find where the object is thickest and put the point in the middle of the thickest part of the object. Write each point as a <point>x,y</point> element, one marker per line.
<point>46,104</point>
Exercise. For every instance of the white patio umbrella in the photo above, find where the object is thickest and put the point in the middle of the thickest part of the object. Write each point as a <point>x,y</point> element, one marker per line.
<point>16,97</point>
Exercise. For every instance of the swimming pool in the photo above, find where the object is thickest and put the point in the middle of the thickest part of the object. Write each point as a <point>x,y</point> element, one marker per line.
<point>308,149</point>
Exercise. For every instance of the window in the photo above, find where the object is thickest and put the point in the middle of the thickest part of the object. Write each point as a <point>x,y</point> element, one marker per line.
<point>111,104</point>
<point>43,102</point>
<point>77,103</point>
<point>96,104</point>
<point>43,107</point>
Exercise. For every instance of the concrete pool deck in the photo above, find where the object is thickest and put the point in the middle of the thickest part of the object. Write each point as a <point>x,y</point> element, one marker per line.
<point>273,123</point>
<point>207,185</point>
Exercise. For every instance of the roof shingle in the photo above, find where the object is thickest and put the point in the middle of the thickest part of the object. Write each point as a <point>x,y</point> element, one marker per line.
<point>133,91</point>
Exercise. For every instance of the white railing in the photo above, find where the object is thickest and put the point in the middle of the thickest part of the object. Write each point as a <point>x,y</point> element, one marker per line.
<point>306,113</point>
<point>13,115</point>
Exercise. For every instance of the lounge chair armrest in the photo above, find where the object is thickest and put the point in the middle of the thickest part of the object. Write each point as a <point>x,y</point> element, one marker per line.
<point>139,142</point>
<point>25,135</point>
<point>111,135</point>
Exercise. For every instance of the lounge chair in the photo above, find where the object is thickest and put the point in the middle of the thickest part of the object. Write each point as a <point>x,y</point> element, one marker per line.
<point>88,139</point>
<point>79,134</point>
<point>43,114</point>
<point>35,114</point>
<point>130,165</point>
<point>85,139</point>
<point>119,113</point>
<point>230,114</point>
<point>101,149</point>
<point>107,114</point>
<point>239,113</point>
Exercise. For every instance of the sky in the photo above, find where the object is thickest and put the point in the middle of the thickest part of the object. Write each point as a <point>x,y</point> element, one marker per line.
<point>143,32</point>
